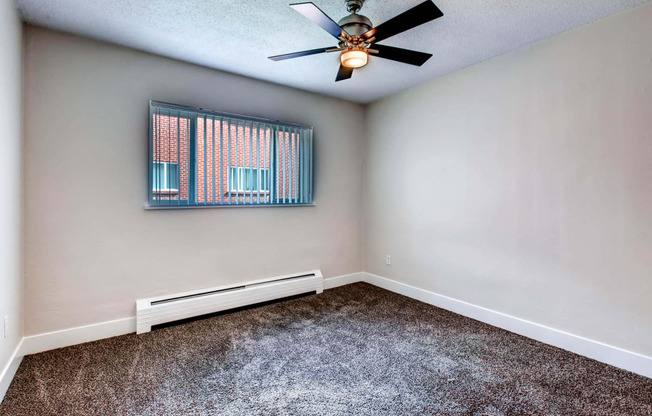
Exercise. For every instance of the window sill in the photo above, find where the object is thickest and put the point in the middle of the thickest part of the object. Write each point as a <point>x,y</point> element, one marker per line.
<point>148,207</point>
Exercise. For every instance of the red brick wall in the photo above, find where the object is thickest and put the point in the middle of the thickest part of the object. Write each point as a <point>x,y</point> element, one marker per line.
<point>166,148</point>
<point>213,160</point>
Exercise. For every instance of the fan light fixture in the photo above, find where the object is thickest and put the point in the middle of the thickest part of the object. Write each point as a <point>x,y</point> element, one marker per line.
<point>357,38</point>
<point>354,58</point>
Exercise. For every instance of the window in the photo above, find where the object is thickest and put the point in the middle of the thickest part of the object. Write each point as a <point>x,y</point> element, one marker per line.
<point>204,158</point>
<point>166,176</point>
<point>243,179</point>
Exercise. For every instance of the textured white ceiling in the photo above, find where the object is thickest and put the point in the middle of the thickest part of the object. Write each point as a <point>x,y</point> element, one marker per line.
<point>238,35</point>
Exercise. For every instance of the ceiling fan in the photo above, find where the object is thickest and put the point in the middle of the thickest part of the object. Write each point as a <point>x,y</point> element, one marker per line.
<point>358,38</point>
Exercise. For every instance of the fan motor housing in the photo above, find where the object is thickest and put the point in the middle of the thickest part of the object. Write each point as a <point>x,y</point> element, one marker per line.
<point>355,24</point>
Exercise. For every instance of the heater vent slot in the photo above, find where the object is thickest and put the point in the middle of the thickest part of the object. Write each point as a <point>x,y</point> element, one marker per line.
<point>159,302</point>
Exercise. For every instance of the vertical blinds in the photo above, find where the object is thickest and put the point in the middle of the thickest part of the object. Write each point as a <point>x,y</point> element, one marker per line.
<point>205,158</point>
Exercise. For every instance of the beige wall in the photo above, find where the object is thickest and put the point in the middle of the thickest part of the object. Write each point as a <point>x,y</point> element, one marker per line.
<point>91,249</point>
<point>10,174</point>
<point>524,184</point>
<point>521,184</point>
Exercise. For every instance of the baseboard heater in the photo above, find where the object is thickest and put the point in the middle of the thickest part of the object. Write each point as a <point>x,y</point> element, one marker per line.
<point>160,310</point>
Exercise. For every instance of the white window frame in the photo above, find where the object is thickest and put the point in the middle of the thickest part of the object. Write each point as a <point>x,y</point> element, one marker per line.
<point>240,182</point>
<point>165,177</point>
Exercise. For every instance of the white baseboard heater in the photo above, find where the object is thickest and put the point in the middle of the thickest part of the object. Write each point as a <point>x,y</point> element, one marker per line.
<point>160,310</point>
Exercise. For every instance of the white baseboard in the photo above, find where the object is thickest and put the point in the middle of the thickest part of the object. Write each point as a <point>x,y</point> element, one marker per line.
<point>9,371</point>
<point>66,337</point>
<point>615,356</point>
<point>345,279</point>
<point>618,357</point>
<point>73,336</point>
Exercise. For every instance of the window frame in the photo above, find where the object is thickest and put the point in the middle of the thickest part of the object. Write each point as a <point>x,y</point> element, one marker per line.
<point>259,176</point>
<point>165,177</point>
<point>305,170</point>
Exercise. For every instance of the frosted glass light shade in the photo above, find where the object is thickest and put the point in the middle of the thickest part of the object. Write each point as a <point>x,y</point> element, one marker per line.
<point>354,58</point>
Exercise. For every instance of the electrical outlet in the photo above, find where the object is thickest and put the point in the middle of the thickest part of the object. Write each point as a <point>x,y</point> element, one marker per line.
<point>5,326</point>
<point>388,260</point>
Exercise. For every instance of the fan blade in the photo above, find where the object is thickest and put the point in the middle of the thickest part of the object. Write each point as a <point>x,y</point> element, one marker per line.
<point>401,55</point>
<point>412,18</point>
<point>318,17</point>
<point>299,54</point>
<point>344,73</point>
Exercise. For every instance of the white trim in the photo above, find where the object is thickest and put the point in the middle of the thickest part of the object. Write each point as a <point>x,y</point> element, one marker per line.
<point>166,176</point>
<point>345,279</point>
<point>608,354</point>
<point>9,371</point>
<point>87,333</point>
<point>73,336</point>
<point>78,335</point>
<point>259,175</point>
<point>618,357</point>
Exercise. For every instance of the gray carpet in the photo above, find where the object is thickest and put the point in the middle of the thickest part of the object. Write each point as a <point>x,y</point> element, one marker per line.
<point>354,350</point>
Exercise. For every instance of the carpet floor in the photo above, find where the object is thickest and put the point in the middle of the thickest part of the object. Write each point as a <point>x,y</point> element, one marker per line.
<point>353,350</point>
